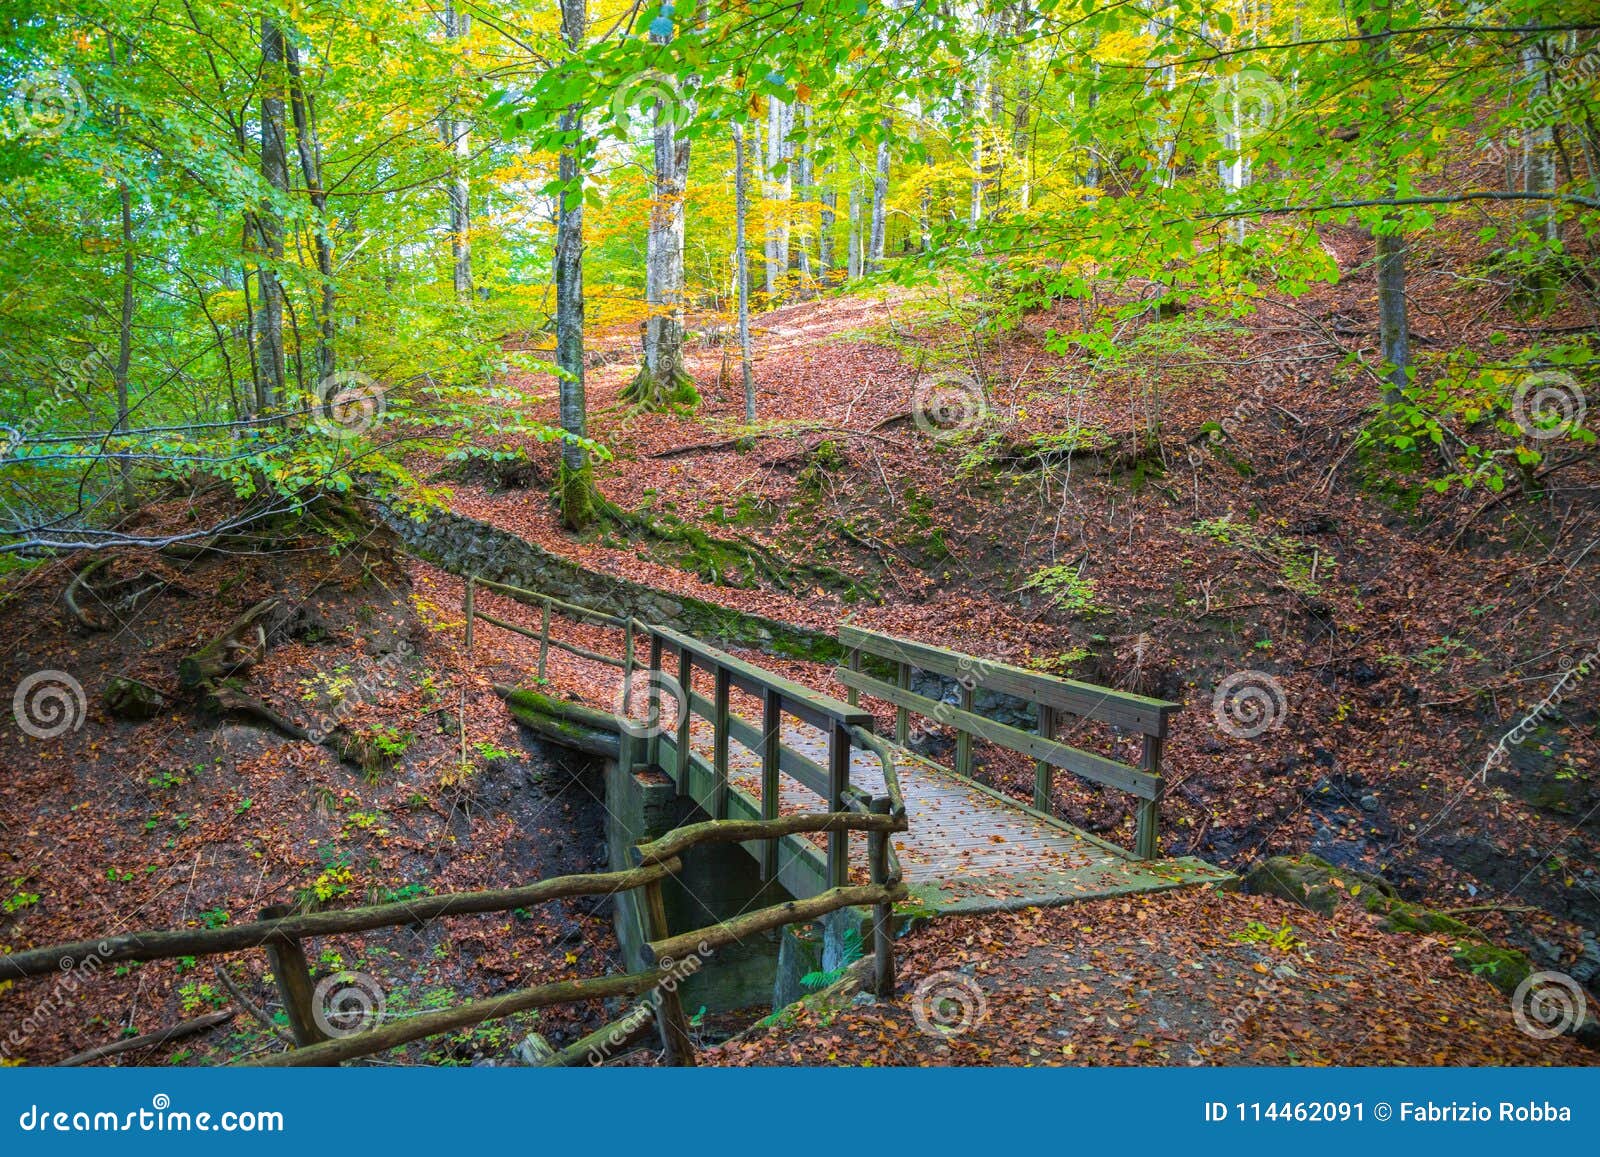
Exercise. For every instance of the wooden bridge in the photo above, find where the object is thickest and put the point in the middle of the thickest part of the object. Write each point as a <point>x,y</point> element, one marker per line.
<point>753,745</point>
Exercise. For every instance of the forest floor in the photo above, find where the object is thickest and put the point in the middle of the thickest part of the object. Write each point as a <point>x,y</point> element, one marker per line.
<point>191,819</point>
<point>1408,631</point>
<point>1178,978</point>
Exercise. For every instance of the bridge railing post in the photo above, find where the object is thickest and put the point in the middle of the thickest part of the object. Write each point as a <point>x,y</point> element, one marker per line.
<point>883,914</point>
<point>1044,772</point>
<point>685,717</point>
<point>771,756</point>
<point>544,639</point>
<point>838,780</point>
<point>719,742</point>
<point>293,975</point>
<point>675,1038</point>
<point>1147,838</point>
<point>653,755</point>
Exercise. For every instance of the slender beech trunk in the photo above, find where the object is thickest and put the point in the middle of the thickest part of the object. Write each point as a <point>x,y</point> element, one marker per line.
<point>805,194</point>
<point>827,214</point>
<point>125,321</point>
<point>1394,329</point>
<point>880,201</point>
<point>270,381</point>
<point>458,138</point>
<point>741,267</point>
<point>310,148</point>
<point>853,256</point>
<point>663,379</point>
<point>975,111</point>
<point>577,496</point>
<point>779,116</point>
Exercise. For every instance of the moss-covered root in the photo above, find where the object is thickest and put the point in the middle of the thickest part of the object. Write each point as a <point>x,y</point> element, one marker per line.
<point>577,497</point>
<point>665,388</point>
<point>1320,887</point>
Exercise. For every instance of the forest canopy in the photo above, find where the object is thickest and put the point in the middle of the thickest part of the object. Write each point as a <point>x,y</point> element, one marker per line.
<point>298,248</point>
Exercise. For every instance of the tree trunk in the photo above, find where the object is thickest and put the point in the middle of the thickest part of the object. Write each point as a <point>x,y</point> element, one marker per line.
<point>270,379</point>
<point>310,148</point>
<point>1393,325</point>
<point>577,497</point>
<point>125,335</point>
<point>1393,329</point>
<point>828,213</point>
<point>807,192</point>
<point>880,200</point>
<point>458,138</point>
<point>779,116</point>
<point>741,266</point>
<point>663,380</point>
<point>975,112</point>
<point>125,321</point>
<point>853,256</point>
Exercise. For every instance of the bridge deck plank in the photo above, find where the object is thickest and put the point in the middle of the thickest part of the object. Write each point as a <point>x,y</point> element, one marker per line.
<point>966,851</point>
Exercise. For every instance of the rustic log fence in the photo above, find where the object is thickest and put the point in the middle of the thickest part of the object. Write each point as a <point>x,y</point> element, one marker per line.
<point>282,936</point>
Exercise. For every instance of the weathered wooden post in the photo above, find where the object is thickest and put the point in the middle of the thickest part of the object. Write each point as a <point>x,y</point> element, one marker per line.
<point>963,736</point>
<point>685,715</point>
<point>1043,770</point>
<point>838,780</point>
<point>771,755</point>
<point>883,914</point>
<point>627,664</point>
<point>1147,841</point>
<point>544,639</point>
<point>653,755</point>
<point>472,584</point>
<point>719,743</point>
<point>902,717</point>
<point>292,974</point>
<point>669,1008</point>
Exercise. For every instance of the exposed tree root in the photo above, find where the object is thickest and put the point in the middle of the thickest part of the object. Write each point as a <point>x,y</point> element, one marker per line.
<point>665,388</point>
<point>75,588</point>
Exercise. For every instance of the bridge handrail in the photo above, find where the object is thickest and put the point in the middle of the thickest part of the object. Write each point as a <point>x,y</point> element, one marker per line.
<point>1047,693</point>
<point>550,604</point>
<point>838,721</point>
<point>843,724</point>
